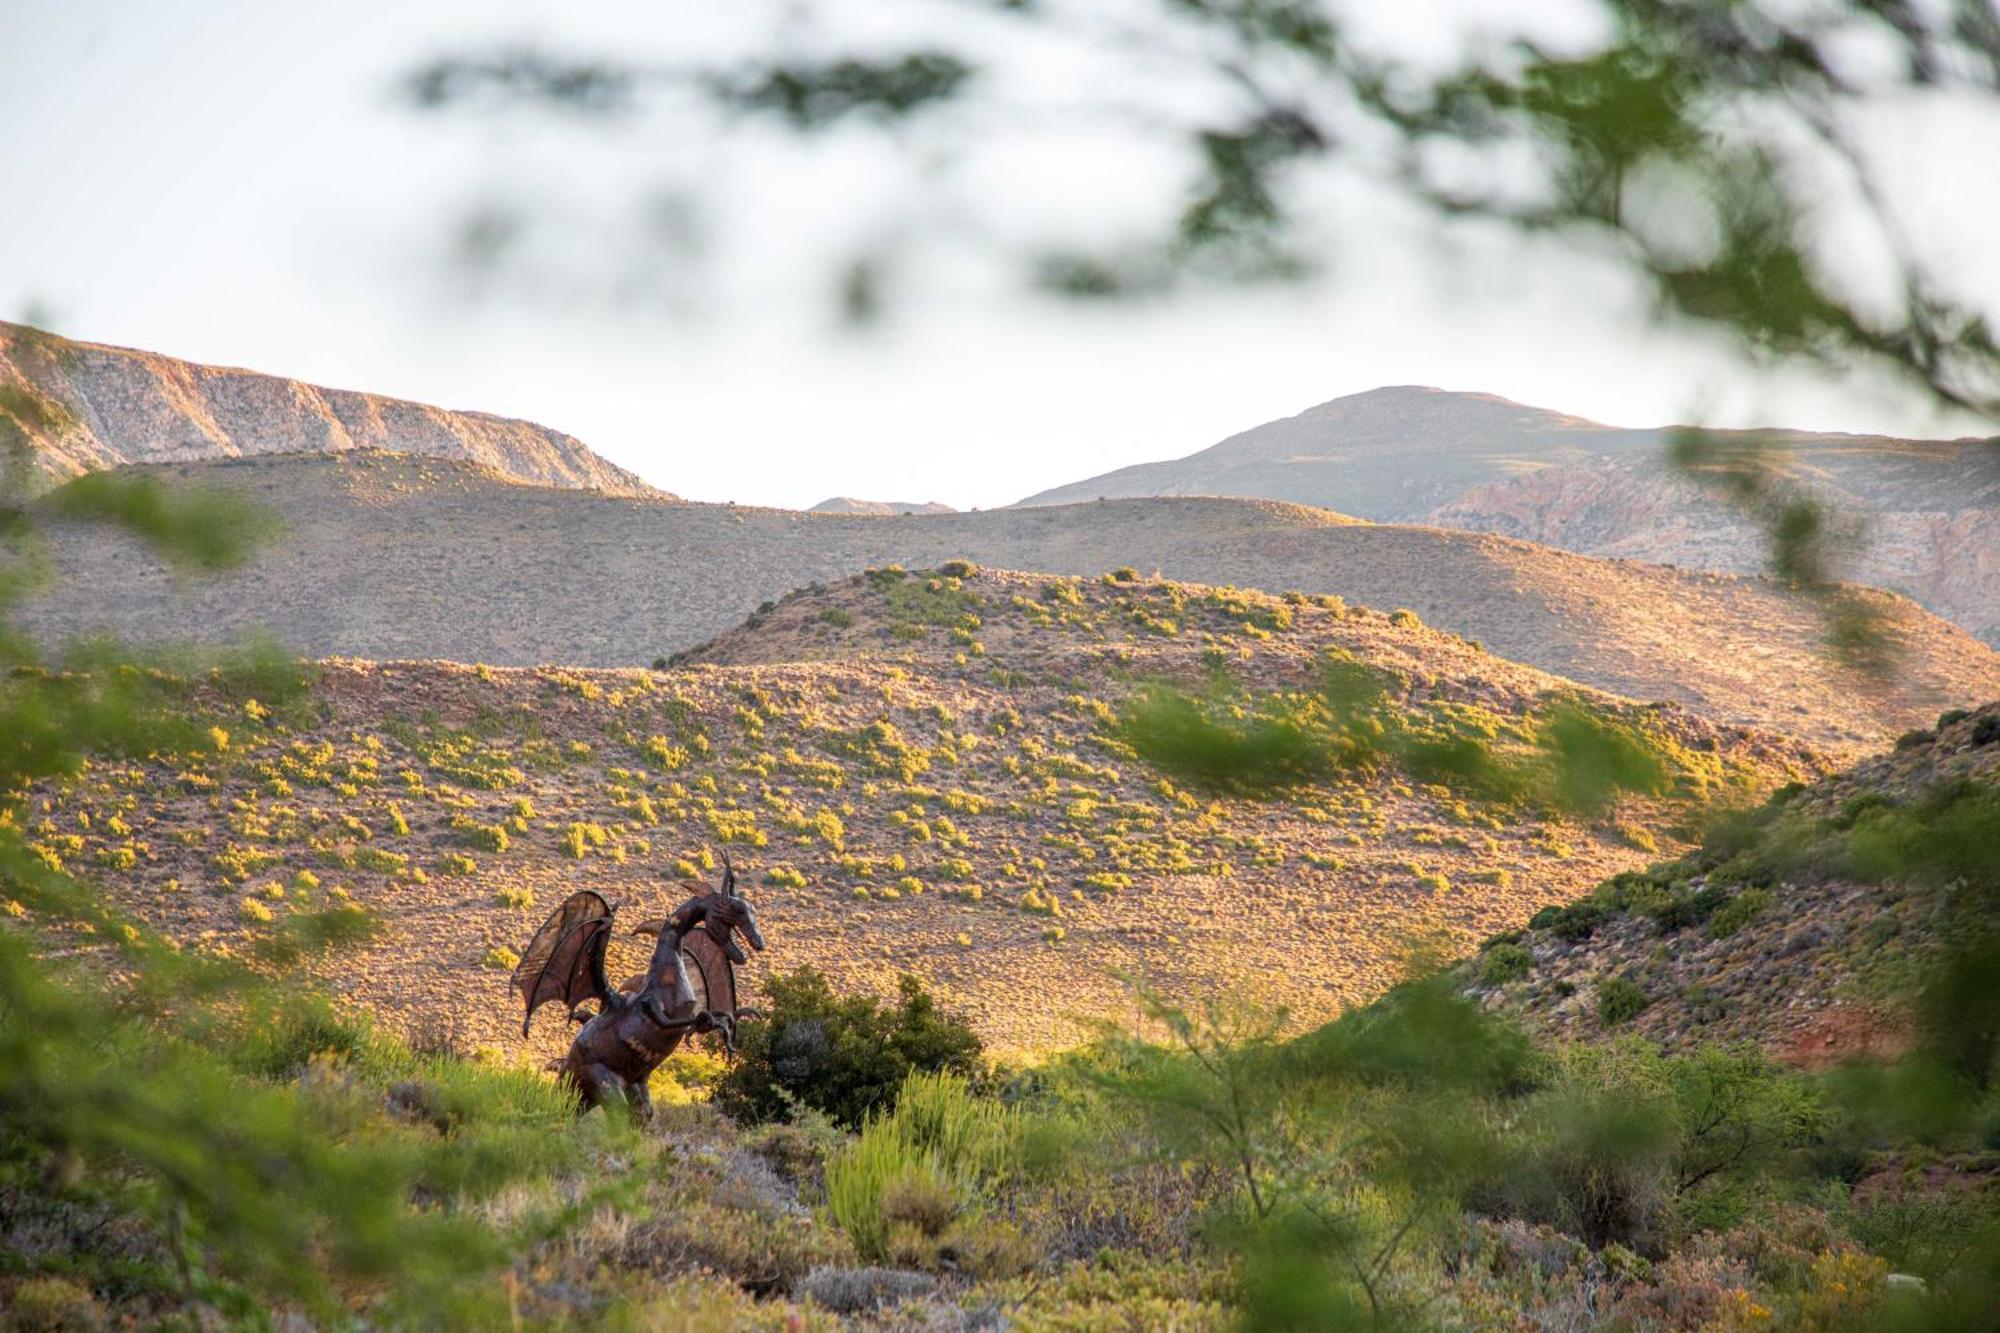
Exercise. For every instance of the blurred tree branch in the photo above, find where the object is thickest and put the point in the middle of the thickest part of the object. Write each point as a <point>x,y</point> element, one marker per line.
<point>1705,147</point>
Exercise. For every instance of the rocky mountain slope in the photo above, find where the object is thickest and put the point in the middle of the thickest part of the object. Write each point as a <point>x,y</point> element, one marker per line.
<point>1802,927</point>
<point>1929,510</point>
<point>394,557</point>
<point>922,773</point>
<point>1928,515</point>
<point>83,407</point>
<point>1391,454</point>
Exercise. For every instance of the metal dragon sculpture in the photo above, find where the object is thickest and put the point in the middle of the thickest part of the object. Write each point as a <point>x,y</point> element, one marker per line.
<point>689,987</point>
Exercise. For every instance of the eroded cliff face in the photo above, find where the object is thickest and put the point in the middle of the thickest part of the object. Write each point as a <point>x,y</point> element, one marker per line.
<point>84,407</point>
<point>1942,551</point>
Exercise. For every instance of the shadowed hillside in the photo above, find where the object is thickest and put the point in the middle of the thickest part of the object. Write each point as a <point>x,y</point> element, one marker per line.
<point>393,557</point>
<point>954,790</point>
<point>83,407</point>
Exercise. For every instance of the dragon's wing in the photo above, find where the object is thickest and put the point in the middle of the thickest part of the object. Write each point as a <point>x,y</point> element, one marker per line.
<point>709,972</point>
<point>565,959</point>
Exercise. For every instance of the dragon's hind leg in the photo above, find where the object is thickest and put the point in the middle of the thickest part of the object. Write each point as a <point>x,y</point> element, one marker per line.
<point>598,1085</point>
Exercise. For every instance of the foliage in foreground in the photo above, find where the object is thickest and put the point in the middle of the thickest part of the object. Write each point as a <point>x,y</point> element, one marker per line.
<point>1572,757</point>
<point>204,1134</point>
<point>1371,1162</point>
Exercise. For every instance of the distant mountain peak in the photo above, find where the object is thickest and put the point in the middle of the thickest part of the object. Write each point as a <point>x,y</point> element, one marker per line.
<point>1397,404</point>
<point>847,504</point>
<point>1390,454</point>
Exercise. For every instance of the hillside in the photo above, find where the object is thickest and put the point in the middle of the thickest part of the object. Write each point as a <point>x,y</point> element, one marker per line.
<point>392,557</point>
<point>1930,509</point>
<point>956,796</point>
<point>1801,927</point>
<point>83,407</point>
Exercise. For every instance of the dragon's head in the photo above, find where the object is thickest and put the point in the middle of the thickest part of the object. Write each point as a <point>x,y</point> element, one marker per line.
<point>730,911</point>
<point>722,914</point>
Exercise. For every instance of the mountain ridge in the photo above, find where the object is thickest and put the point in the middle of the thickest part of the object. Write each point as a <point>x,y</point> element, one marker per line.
<point>84,407</point>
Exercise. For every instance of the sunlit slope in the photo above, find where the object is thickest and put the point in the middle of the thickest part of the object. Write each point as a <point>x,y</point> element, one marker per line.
<point>83,407</point>
<point>958,792</point>
<point>391,557</point>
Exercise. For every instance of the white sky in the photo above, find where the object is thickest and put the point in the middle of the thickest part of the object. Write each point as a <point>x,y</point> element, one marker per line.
<point>232,181</point>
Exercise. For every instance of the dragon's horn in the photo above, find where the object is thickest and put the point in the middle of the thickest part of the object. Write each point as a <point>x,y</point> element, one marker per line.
<point>653,927</point>
<point>728,875</point>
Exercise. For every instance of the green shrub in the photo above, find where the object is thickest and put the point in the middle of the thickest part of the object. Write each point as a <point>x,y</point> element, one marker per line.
<point>484,837</point>
<point>876,1166</point>
<point>1504,963</point>
<point>579,838</point>
<point>1619,1001</point>
<point>785,877</point>
<point>304,1028</point>
<point>843,1055</point>
<point>1678,912</point>
<point>1176,733</point>
<point>1591,759</point>
<point>53,1305</point>
<point>1573,921</point>
<point>1738,912</point>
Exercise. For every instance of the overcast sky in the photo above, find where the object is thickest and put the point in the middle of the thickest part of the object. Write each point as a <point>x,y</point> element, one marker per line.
<point>235,181</point>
